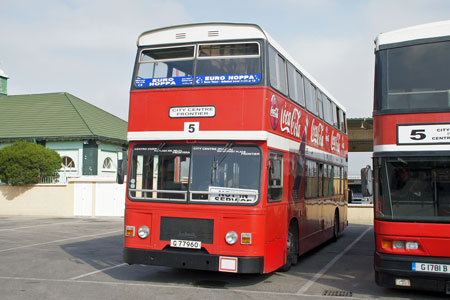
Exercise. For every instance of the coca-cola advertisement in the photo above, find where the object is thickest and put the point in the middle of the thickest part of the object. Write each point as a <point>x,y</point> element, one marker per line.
<point>274,112</point>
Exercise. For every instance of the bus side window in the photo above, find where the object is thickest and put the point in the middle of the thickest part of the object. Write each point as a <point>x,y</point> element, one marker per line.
<point>311,183</point>
<point>277,69</point>
<point>310,94</point>
<point>320,104</point>
<point>275,177</point>
<point>325,177</point>
<point>334,117</point>
<point>343,121</point>
<point>321,179</point>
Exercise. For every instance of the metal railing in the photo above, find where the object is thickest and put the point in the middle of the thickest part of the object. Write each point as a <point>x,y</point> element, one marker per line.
<point>224,197</point>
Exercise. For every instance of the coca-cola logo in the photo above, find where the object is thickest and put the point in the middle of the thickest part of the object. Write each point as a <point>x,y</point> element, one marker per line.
<point>317,134</point>
<point>274,112</point>
<point>336,143</point>
<point>290,121</point>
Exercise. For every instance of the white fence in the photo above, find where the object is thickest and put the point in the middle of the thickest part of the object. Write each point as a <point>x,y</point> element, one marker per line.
<point>87,196</point>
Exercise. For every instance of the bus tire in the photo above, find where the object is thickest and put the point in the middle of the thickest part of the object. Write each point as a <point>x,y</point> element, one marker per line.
<point>335,227</point>
<point>291,248</point>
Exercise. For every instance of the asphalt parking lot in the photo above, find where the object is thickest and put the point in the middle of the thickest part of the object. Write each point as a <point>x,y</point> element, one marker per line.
<point>81,258</point>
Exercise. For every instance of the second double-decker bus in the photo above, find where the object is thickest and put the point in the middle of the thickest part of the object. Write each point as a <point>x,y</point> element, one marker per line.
<point>237,156</point>
<point>412,157</point>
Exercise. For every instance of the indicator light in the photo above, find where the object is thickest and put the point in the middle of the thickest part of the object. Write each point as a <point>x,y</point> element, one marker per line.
<point>387,244</point>
<point>129,231</point>
<point>246,238</point>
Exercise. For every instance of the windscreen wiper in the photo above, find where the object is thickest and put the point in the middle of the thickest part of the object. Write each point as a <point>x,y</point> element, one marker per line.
<point>161,146</point>
<point>225,152</point>
<point>216,162</point>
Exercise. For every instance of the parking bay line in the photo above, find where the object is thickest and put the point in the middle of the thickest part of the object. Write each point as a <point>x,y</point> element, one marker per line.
<point>152,285</point>
<point>319,274</point>
<point>61,240</point>
<point>39,225</point>
<point>98,271</point>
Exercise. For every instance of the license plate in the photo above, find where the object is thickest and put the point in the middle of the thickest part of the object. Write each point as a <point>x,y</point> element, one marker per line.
<point>433,268</point>
<point>186,244</point>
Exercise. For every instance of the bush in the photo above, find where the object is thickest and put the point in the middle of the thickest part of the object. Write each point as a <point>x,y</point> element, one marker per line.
<point>25,163</point>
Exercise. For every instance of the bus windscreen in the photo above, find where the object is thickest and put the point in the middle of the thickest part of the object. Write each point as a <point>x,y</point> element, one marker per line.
<point>413,77</point>
<point>207,173</point>
<point>413,189</point>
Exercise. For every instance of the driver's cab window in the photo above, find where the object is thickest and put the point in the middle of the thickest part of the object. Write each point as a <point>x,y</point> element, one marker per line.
<point>275,177</point>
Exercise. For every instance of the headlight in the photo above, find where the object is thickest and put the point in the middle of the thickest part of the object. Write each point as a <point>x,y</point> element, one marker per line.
<point>143,232</point>
<point>412,245</point>
<point>231,237</point>
<point>398,244</point>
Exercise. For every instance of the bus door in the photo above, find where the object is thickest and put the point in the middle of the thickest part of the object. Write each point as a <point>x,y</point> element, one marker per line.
<point>276,215</point>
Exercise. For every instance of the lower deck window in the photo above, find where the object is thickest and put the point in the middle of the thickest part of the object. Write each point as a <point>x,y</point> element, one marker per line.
<point>413,188</point>
<point>200,173</point>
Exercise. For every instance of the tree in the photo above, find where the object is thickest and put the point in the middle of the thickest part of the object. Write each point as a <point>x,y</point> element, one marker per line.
<point>25,163</point>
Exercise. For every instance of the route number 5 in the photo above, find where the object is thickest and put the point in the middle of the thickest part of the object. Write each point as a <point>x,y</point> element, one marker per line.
<point>418,134</point>
<point>191,127</point>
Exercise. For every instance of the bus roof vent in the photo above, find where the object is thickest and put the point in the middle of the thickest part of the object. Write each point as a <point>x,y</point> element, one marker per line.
<point>181,35</point>
<point>213,33</point>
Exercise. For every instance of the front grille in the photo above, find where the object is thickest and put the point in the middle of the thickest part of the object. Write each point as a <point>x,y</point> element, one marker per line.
<point>187,229</point>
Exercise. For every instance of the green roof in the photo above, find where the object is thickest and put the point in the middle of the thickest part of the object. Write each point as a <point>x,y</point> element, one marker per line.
<point>57,116</point>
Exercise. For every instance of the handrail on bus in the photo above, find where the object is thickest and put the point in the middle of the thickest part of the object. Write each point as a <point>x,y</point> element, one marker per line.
<point>233,193</point>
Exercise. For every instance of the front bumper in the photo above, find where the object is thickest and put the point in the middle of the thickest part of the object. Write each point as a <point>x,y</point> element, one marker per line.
<point>189,259</point>
<point>390,267</point>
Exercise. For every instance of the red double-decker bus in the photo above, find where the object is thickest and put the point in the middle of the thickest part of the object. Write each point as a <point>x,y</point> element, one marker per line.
<point>237,157</point>
<point>412,157</point>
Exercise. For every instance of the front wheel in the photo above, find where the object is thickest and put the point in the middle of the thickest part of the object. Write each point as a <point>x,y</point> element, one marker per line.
<point>291,249</point>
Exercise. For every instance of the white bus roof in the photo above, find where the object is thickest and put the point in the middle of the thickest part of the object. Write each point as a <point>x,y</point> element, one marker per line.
<point>418,32</point>
<point>205,32</point>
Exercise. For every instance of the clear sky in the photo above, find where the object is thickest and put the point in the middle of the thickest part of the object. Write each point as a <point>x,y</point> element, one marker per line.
<point>88,47</point>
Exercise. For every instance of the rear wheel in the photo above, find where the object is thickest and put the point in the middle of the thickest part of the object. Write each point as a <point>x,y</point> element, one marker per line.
<point>291,249</point>
<point>336,227</point>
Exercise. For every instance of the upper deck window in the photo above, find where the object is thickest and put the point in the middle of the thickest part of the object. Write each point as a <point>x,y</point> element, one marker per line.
<point>167,53</point>
<point>310,93</point>
<point>237,63</point>
<point>244,49</point>
<point>277,66</point>
<point>161,67</point>
<point>295,82</point>
<point>216,64</point>
<point>413,78</point>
